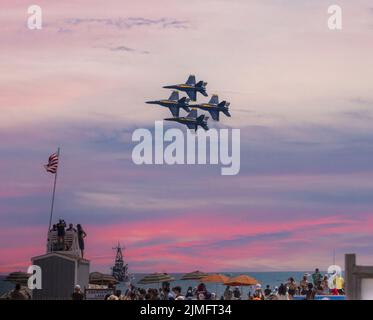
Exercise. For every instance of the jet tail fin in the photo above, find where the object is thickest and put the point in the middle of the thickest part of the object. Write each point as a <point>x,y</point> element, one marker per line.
<point>200,118</point>
<point>226,112</point>
<point>201,84</point>
<point>202,121</point>
<point>222,104</point>
<point>184,103</point>
<point>184,100</point>
<point>186,108</point>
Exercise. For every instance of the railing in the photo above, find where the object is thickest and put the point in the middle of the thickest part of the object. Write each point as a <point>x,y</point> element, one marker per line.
<point>69,245</point>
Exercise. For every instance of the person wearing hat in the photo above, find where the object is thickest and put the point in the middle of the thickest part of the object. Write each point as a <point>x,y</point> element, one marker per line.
<point>258,294</point>
<point>77,294</point>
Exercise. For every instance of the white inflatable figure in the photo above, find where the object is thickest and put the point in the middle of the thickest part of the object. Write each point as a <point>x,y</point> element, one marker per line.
<point>334,272</point>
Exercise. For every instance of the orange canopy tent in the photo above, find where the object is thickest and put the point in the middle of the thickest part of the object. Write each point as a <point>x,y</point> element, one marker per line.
<point>242,280</point>
<point>216,277</point>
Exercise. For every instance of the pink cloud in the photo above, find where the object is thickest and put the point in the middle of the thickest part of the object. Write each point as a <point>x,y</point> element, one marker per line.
<point>182,244</point>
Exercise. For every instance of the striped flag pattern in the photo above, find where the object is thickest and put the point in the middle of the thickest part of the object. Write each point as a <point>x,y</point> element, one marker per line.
<point>52,163</point>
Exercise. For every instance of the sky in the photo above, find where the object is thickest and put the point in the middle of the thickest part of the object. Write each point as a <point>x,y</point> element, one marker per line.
<point>300,93</point>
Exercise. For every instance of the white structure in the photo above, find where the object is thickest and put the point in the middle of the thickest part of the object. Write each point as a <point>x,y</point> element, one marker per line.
<point>60,272</point>
<point>62,267</point>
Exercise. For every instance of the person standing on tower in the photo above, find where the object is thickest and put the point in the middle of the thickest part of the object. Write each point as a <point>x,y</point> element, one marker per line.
<point>61,225</point>
<point>81,236</point>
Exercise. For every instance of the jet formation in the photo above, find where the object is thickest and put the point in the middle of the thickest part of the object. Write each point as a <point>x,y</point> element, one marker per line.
<point>174,103</point>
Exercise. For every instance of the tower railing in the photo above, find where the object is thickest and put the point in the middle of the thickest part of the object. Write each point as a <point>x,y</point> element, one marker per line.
<point>69,244</point>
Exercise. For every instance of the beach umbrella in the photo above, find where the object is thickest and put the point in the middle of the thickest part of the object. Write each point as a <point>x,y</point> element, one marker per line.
<point>195,275</point>
<point>18,277</point>
<point>156,278</point>
<point>242,280</point>
<point>99,278</point>
<point>216,277</point>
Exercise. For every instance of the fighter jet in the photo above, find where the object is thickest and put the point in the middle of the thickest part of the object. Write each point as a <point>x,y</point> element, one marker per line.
<point>191,87</point>
<point>173,103</point>
<point>214,107</point>
<point>192,121</point>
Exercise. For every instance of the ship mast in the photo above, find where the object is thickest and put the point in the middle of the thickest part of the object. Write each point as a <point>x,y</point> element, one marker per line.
<point>119,254</point>
<point>119,270</point>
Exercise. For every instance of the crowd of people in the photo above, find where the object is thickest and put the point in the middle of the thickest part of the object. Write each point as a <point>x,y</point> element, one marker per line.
<point>61,228</point>
<point>165,293</point>
<point>308,287</point>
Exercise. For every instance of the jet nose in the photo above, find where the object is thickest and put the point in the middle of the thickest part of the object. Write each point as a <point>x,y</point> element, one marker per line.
<point>169,119</point>
<point>151,102</point>
<point>168,87</point>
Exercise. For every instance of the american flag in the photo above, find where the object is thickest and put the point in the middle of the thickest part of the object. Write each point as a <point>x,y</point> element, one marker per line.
<point>52,163</point>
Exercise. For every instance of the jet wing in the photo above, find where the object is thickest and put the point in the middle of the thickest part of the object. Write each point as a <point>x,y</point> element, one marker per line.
<point>174,96</point>
<point>175,111</point>
<point>192,113</point>
<point>214,99</point>
<point>191,80</point>
<point>214,114</point>
<point>191,125</point>
<point>192,94</point>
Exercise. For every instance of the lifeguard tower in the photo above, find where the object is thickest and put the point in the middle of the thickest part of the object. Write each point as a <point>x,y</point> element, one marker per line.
<point>62,267</point>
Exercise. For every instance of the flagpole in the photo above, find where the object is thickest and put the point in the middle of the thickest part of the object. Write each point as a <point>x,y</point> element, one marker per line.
<point>54,190</point>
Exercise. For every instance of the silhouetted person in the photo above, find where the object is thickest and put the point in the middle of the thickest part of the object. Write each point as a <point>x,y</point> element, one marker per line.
<point>81,236</point>
<point>311,292</point>
<point>316,277</point>
<point>61,225</point>
<point>267,290</point>
<point>71,228</point>
<point>16,294</point>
